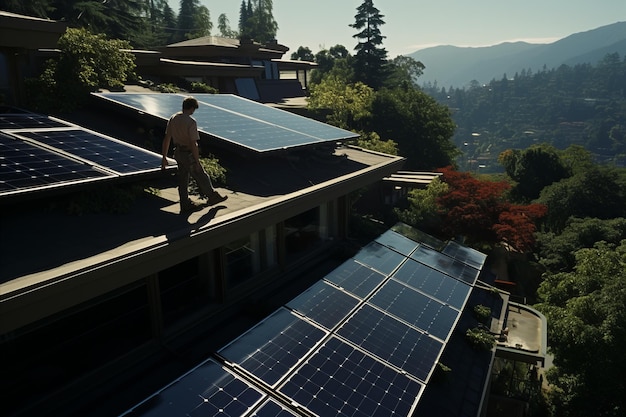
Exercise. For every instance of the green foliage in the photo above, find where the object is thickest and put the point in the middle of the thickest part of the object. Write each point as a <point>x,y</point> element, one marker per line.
<point>371,141</point>
<point>212,167</point>
<point>194,20</point>
<point>303,54</point>
<point>421,127</point>
<point>349,104</point>
<point>532,169</point>
<point>556,251</point>
<point>581,104</point>
<point>197,87</point>
<point>403,71</point>
<point>86,62</point>
<point>370,63</point>
<point>480,338</point>
<point>223,25</point>
<point>482,313</point>
<point>592,193</point>
<point>168,88</point>
<point>257,22</point>
<point>586,312</point>
<point>423,211</point>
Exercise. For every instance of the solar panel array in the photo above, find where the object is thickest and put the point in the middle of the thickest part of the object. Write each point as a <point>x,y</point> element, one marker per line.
<point>362,341</point>
<point>38,152</point>
<point>236,120</point>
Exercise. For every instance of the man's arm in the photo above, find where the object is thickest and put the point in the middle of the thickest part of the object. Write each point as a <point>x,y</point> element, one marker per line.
<point>165,148</point>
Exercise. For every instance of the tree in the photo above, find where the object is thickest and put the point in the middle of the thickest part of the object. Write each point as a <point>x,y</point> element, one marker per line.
<point>532,169</point>
<point>592,193</point>
<point>371,58</point>
<point>349,104</point>
<point>421,127</point>
<point>194,20</point>
<point>404,71</point>
<point>479,211</point>
<point>586,312</point>
<point>257,21</point>
<point>223,25</point>
<point>86,62</point>
<point>303,54</point>
<point>423,211</point>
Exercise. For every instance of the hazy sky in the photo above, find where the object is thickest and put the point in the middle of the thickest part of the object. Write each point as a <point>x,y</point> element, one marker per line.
<point>412,24</point>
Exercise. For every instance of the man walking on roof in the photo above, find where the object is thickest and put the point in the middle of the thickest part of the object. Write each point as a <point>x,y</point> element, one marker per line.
<point>183,130</point>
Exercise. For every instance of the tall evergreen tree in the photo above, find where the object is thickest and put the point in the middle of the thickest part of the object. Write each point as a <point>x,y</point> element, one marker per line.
<point>194,20</point>
<point>256,21</point>
<point>371,58</point>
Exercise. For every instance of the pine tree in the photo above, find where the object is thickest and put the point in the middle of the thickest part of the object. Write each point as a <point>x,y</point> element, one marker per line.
<point>371,58</point>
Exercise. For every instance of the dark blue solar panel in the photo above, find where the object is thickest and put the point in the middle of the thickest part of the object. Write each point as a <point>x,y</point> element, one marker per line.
<point>339,380</point>
<point>105,152</point>
<point>24,165</point>
<point>379,257</point>
<point>271,349</point>
<point>445,264</point>
<point>208,390</point>
<point>466,255</point>
<point>355,278</point>
<point>434,283</point>
<point>415,308</point>
<point>272,409</point>
<point>27,121</point>
<point>393,341</point>
<point>418,236</point>
<point>275,116</point>
<point>324,304</point>
<point>397,242</point>
<point>236,125</point>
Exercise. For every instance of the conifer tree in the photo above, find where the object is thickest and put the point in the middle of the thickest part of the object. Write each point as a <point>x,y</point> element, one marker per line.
<point>371,58</point>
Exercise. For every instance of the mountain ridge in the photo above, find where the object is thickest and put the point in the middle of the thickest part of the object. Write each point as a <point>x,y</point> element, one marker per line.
<point>449,65</point>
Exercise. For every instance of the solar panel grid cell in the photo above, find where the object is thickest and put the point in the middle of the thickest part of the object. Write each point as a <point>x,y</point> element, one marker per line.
<point>273,409</point>
<point>392,341</point>
<point>434,283</point>
<point>24,165</point>
<point>415,308</point>
<point>379,257</point>
<point>27,121</point>
<point>103,151</point>
<point>339,380</point>
<point>355,278</point>
<point>445,264</point>
<point>271,349</point>
<point>324,304</point>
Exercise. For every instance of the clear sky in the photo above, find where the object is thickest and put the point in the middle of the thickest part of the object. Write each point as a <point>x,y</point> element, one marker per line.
<point>411,25</point>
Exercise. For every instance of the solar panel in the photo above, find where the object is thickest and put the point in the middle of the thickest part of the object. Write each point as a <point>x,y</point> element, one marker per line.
<point>269,350</point>
<point>9,121</point>
<point>434,283</point>
<point>393,341</point>
<point>339,380</point>
<point>207,390</point>
<point>324,304</point>
<point>237,120</point>
<point>24,166</point>
<point>114,155</point>
<point>415,308</point>
<point>272,409</point>
<point>445,264</point>
<point>418,236</point>
<point>379,257</point>
<point>464,254</point>
<point>275,116</point>
<point>397,242</point>
<point>355,278</point>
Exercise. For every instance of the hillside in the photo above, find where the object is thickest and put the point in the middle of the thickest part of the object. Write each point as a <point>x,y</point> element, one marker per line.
<point>458,66</point>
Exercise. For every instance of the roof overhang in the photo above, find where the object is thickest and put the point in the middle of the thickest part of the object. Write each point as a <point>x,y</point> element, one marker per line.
<point>18,31</point>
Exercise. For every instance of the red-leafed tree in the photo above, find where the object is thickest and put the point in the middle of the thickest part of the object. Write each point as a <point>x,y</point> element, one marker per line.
<point>480,211</point>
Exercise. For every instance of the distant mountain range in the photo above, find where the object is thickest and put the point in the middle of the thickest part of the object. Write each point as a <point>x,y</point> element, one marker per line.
<point>458,66</point>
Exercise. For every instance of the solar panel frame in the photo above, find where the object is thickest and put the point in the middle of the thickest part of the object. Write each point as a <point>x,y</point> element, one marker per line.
<point>380,258</point>
<point>397,242</point>
<point>469,256</point>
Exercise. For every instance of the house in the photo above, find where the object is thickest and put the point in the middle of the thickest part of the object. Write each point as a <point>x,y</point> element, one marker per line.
<point>99,309</point>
